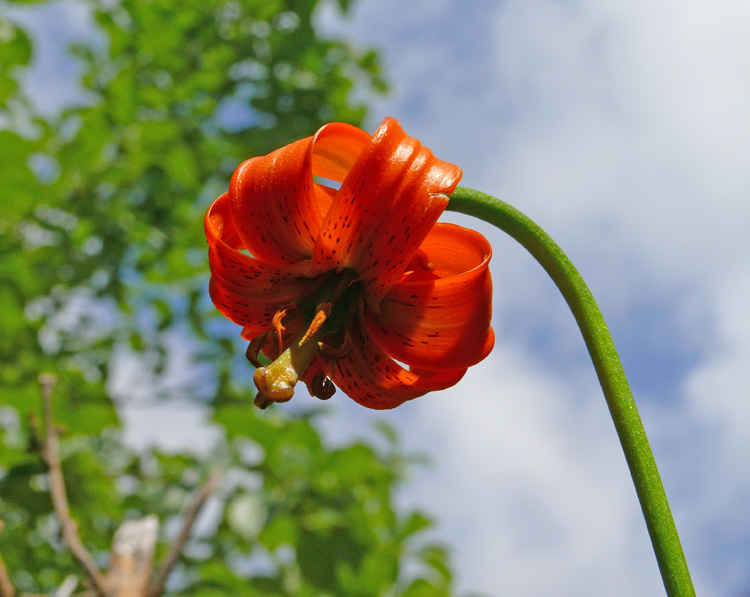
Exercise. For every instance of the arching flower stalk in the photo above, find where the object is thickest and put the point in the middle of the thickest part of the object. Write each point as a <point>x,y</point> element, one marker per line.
<point>340,286</point>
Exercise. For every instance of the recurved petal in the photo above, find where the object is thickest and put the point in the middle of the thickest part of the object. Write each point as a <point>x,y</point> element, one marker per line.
<point>384,209</point>
<point>445,321</point>
<point>247,290</point>
<point>336,147</point>
<point>373,379</point>
<point>273,198</point>
<point>255,316</point>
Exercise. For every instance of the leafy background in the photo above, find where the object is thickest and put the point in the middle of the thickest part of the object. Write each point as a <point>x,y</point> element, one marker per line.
<point>103,271</point>
<point>623,129</point>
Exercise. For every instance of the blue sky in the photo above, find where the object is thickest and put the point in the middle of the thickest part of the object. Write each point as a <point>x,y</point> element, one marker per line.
<point>624,130</point>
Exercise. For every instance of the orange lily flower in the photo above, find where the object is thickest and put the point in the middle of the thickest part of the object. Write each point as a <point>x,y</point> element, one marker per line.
<point>340,286</point>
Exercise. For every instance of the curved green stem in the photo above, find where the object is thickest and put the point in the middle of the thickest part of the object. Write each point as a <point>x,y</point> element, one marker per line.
<point>640,459</point>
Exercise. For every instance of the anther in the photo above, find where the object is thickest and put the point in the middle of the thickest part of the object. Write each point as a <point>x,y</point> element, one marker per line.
<point>253,349</point>
<point>424,261</point>
<point>322,387</point>
<point>322,313</point>
<point>290,310</point>
<point>334,353</point>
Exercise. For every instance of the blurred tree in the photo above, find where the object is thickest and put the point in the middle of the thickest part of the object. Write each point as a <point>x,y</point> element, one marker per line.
<point>103,264</point>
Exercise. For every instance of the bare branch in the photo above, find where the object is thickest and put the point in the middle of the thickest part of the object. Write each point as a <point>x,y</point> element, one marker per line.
<point>132,557</point>
<point>6,586</point>
<point>83,594</point>
<point>66,589</point>
<point>68,526</point>
<point>200,497</point>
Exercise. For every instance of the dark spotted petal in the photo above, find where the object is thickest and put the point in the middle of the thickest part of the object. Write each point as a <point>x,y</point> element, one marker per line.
<point>373,379</point>
<point>273,198</point>
<point>383,211</point>
<point>443,321</point>
<point>246,290</point>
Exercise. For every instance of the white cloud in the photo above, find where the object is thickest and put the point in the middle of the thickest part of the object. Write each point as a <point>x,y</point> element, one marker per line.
<point>718,391</point>
<point>171,425</point>
<point>623,128</point>
<point>529,475</point>
<point>635,114</point>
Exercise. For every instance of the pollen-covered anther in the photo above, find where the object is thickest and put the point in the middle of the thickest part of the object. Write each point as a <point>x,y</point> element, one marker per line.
<point>322,313</point>
<point>322,387</point>
<point>291,311</point>
<point>253,349</point>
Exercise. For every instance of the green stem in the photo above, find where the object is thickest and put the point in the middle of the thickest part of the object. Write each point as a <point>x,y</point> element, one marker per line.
<point>640,459</point>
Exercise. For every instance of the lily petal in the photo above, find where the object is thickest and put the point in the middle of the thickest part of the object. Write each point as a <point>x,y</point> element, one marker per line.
<point>246,290</point>
<point>442,322</point>
<point>384,209</point>
<point>324,196</point>
<point>273,198</point>
<point>373,379</point>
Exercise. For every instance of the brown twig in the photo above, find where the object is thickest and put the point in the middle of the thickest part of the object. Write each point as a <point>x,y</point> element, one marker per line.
<point>83,594</point>
<point>200,497</point>
<point>6,586</point>
<point>68,526</point>
<point>131,560</point>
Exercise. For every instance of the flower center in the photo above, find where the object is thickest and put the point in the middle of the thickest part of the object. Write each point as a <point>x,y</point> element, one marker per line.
<point>329,313</point>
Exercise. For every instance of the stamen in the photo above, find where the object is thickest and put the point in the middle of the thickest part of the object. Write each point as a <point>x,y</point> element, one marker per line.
<point>322,387</point>
<point>290,310</point>
<point>334,353</point>
<point>322,313</point>
<point>425,262</point>
<point>253,349</point>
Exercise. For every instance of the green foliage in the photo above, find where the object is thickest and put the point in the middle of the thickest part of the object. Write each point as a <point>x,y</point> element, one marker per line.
<point>103,265</point>
<point>15,52</point>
